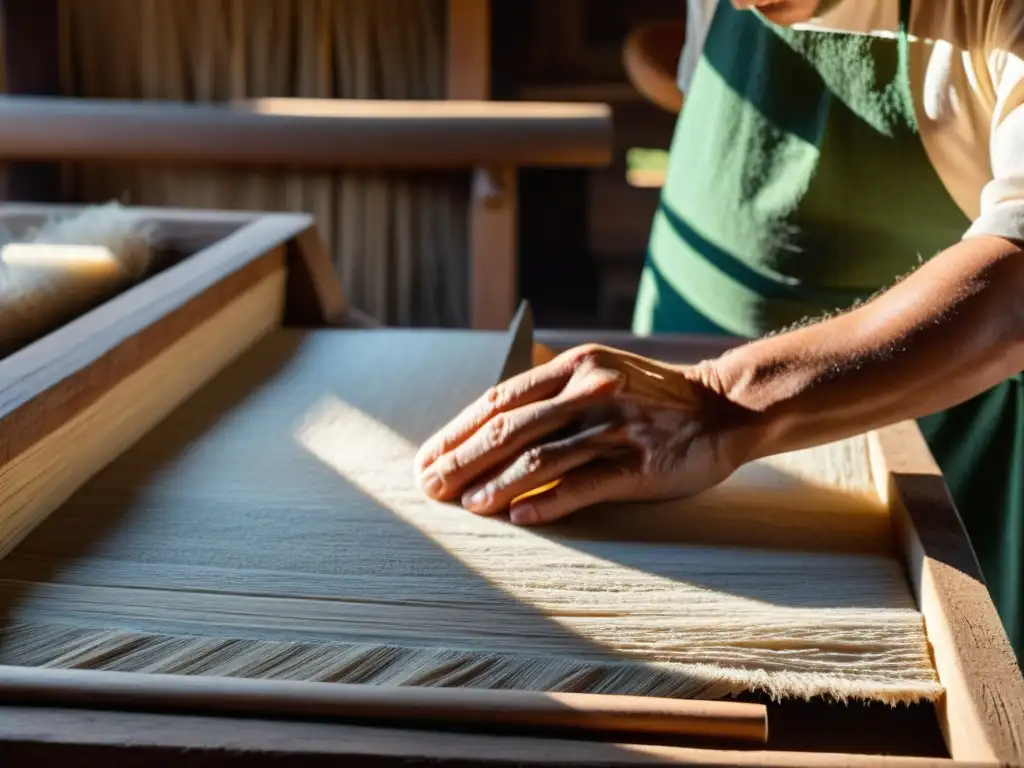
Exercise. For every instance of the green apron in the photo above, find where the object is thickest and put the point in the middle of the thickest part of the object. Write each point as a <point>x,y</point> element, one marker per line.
<point>798,186</point>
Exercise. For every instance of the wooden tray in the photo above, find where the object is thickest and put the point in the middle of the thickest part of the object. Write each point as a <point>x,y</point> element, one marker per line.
<point>242,275</point>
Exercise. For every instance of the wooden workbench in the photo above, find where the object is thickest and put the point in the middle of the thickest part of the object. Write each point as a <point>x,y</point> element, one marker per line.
<point>980,720</point>
<point>30,735</point>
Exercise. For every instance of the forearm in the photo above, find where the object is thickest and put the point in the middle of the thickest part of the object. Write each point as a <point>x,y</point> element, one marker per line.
<point>948,332</point>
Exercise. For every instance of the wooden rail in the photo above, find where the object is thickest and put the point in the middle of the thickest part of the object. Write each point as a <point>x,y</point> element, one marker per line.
<point>527,711</point>
<point>307,133</point>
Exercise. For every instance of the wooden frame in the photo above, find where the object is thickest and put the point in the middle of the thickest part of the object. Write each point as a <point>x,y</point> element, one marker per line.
<point>982,715</point>
<point>233,253</point>
<point>53,715</point>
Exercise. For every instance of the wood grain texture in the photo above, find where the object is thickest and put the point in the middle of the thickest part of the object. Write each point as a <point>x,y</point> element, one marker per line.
<point>53,391</point>
<point>43,476</point>
<point>46,383</point>
<point>308,133</point>
<point>982,713</point>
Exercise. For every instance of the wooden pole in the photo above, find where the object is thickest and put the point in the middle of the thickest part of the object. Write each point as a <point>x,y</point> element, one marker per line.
<point>464,707</point>
<point>493,220</point>
<point>307,133</point>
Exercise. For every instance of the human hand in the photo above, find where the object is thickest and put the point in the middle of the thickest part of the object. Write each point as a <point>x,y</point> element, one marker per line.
<point>602,424</point>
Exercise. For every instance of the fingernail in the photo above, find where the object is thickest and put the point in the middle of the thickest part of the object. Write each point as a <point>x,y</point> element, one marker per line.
<point>474,499</point>
<point>432,484</point>
<point>524,515</point>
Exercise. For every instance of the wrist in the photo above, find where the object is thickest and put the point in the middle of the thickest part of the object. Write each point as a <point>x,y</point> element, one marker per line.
<point>741,433</point>
<point>770,387</point>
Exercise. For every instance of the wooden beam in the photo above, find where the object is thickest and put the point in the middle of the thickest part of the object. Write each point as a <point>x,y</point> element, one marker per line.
<point>494,248</point>
<point>982,712</point>
<point>493,207</point>
<point>308,133</point>
<point>469,49</point>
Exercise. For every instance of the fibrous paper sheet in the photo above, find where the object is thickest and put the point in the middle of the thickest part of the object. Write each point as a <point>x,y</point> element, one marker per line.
<point>271,527</point>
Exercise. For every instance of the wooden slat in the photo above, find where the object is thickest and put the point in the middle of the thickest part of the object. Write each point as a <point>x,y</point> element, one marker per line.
<point>307,133</point>
<point>47,382</point>
<point>494,248</point>
<point>493,206</point>
<point>146,378</point>
<point>469,49</point>
<point>982,715</point>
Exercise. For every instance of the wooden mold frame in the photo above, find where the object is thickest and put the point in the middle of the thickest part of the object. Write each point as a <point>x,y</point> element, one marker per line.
<point>247,273</point>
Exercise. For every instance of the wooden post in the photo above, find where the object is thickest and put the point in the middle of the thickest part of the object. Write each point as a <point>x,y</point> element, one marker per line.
<point>31,51</point>
<point>493,222</point>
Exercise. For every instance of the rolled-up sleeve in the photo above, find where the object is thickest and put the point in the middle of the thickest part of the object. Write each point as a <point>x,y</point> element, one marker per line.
<point>1002,198</point>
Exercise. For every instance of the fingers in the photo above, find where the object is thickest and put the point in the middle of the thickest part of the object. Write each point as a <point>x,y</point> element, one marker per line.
<point>506,435</point>
<point>536,384</point>
<point>594,483</point>
<point>536,467</point>
<point>501,438</point>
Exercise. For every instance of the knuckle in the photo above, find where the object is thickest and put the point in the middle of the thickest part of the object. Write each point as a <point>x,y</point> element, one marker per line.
<point>502,397</point>
<point>589,358</point>
<point>448,465</point>
<point>535,460</point>
<point>588,352</point>
<point>496,397</point>
<point>497,432</point>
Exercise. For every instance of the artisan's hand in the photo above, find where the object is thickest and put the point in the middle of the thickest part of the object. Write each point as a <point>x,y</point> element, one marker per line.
<point>608,425</point>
